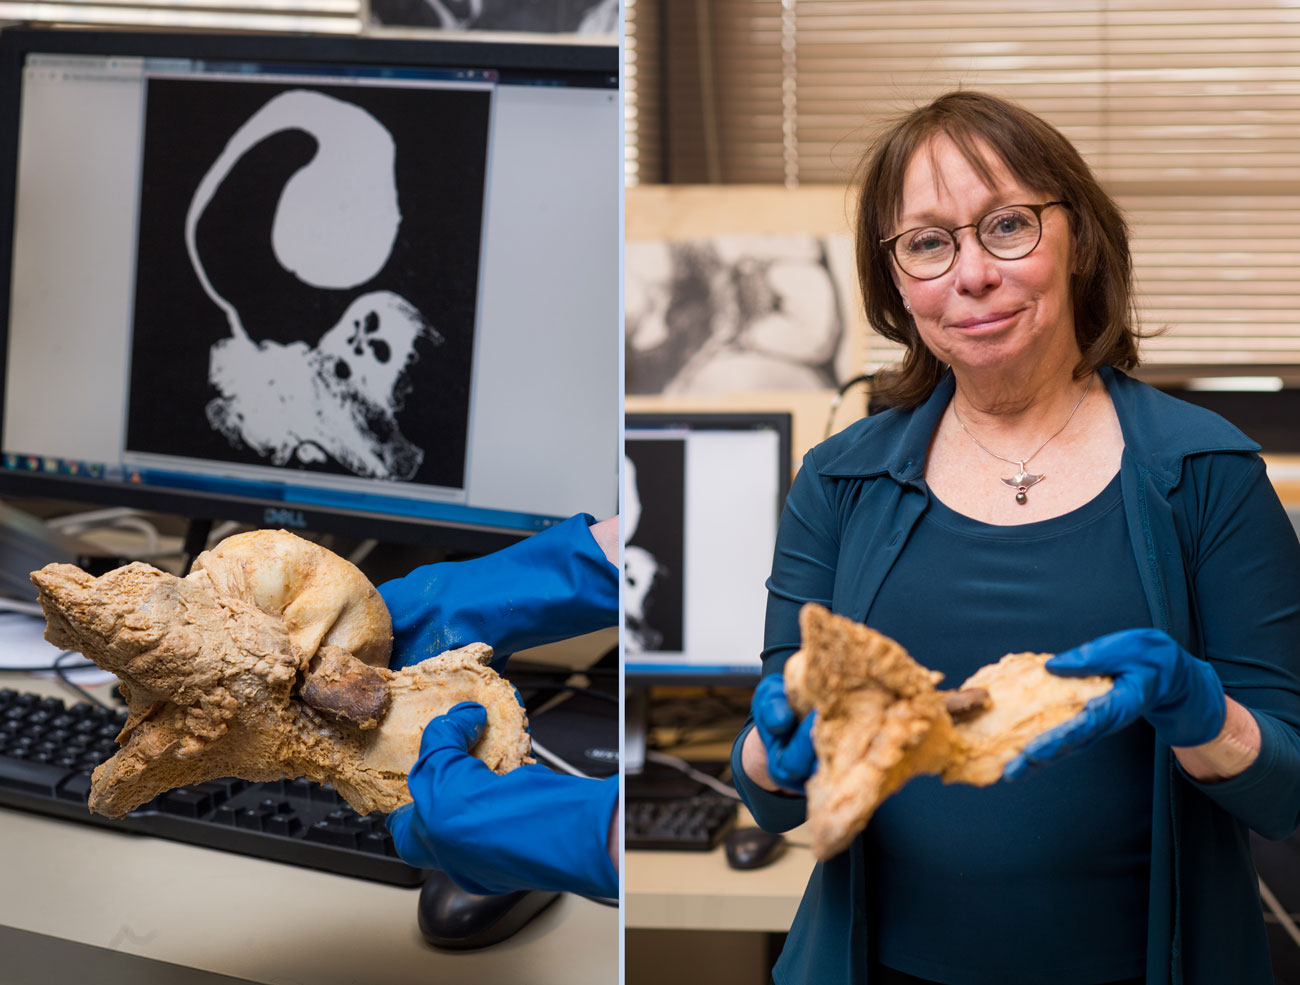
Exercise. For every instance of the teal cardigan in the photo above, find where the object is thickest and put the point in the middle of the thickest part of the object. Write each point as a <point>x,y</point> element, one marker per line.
<point>1220,565</point>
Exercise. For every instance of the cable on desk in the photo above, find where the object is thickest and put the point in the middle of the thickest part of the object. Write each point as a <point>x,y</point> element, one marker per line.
<point>713,783</point>
<point>1280,913</point>
<point>526,685</point>
<point>558,762</point>
<point>46,668</point>
<point>19,606</point>
<point>363,551</point>
<point>76,524</point>
<point>61,669</point>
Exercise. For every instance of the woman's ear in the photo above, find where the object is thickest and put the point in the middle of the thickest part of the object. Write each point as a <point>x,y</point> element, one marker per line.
<point>898,286</point>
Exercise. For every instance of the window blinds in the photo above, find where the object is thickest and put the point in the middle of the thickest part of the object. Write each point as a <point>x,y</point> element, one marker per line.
<point>1189,111</point>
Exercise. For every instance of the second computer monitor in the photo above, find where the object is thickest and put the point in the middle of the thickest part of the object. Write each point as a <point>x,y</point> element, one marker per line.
<point>702,498</point>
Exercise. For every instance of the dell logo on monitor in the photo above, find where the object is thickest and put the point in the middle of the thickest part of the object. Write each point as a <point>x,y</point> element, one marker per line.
<point>278,516</point>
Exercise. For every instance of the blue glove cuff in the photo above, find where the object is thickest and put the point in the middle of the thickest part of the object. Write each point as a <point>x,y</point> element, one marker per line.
<point>791,758</point>
<point>549,587</point>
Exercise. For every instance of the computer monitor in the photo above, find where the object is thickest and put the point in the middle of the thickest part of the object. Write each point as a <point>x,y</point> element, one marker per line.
<point>702,496</point>
<point>357,285</point>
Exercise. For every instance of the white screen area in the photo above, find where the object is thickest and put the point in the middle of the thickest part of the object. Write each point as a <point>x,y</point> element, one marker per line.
<point>701,611</point>
<point>541,399</point>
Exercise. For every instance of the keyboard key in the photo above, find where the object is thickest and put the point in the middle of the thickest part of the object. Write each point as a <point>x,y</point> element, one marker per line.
<point>378,843</point>
<point>19,774</point>
<point>332,833</point>
<point>251,818</point>
<point>217,792</point>
<point>229,785</point>
<point>186,802</point>
<point>283,824</point>
<point>226,814</point>
<point>76,788</point>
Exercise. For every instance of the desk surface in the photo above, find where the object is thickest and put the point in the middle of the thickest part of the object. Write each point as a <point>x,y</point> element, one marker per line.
<point>699,891</point>
<point>187,914</point>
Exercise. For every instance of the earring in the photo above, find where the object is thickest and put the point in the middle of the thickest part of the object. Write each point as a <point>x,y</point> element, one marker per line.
<point>906,305</point>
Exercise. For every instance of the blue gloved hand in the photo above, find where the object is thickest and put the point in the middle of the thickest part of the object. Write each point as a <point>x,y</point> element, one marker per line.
<point>554,585</point>
<point>1155,679</point>
<point>791,758</point>
<point>527,829</point>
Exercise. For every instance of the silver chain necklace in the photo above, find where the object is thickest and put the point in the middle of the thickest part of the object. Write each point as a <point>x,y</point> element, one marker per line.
<point>1023,479</point>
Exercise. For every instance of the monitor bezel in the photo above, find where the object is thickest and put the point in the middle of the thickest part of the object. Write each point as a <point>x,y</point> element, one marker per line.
<point>782,422</point>
<point>563,62</point>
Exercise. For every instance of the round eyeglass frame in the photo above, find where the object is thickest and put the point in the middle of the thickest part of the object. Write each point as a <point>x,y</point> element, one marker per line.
<point>891,244</point>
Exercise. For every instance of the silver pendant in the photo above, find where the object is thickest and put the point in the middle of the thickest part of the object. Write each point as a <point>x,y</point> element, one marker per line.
<point>1021,482</point>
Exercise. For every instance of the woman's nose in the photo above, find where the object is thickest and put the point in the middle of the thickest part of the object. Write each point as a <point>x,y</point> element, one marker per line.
<point>977,270</point>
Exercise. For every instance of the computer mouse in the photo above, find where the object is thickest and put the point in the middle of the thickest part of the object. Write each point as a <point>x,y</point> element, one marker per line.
<point>452,917</point>
<point>753,848</point>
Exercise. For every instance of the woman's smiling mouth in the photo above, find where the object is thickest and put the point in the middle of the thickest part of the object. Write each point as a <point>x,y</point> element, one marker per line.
<point>993,320</point>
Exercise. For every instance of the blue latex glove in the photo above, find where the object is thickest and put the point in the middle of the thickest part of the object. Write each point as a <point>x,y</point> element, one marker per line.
<point>788,741</point>
<point>1155,679</point>
<point>554,585</point>
<point>528,829</point>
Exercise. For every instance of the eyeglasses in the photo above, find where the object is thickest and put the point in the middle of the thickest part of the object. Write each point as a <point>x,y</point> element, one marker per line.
<point>1008,233</point>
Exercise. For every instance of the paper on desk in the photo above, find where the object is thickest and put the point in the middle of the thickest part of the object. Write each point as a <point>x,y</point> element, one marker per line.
<point>23,646</point>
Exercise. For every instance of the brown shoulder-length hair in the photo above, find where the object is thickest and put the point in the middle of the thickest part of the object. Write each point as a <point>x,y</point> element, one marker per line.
<point>1040,158</point>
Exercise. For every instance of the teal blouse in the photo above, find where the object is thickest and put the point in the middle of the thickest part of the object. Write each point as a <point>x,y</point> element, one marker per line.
<point>1219,565</point>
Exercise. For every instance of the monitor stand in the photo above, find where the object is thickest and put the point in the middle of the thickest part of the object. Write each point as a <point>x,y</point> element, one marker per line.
<point>636,724</point>
<point>196,540</point>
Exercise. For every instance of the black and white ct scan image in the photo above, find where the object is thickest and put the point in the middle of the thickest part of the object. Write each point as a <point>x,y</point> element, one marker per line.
<point>654,514</point>
<point>312,265</point>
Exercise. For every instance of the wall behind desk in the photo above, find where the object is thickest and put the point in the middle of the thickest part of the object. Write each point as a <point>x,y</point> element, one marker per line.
<point>665,214</point>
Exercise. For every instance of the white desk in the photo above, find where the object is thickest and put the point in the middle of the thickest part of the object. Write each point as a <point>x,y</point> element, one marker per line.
<point>79,903</point>
<point>693,920</point>
<point>699,891</point>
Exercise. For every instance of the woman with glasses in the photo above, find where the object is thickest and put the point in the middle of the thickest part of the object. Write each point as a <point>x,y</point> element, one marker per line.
<point>1024,494</point>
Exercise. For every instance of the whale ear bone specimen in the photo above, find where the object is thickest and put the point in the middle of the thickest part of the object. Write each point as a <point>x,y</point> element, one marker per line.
<point>268,660</point>
<point>881,720</point>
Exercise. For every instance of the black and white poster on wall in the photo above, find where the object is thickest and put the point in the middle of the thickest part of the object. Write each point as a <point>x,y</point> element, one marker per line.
<point>585,17</point>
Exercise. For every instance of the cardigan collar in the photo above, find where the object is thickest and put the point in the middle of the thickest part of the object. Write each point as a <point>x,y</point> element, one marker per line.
<point>1160,432</point>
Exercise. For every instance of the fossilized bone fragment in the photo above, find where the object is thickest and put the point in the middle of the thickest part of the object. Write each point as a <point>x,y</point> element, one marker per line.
<point>881,720</point>
<point>246,668</point>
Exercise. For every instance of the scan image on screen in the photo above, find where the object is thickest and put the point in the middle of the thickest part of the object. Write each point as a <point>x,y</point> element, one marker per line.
<point>702,494</point>
<point>654,511</point>
<point>290,230</point>
<point>344,285</point>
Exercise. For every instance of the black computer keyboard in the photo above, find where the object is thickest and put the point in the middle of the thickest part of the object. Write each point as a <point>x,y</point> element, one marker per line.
<point>682,824</point>
<point>49,748</point>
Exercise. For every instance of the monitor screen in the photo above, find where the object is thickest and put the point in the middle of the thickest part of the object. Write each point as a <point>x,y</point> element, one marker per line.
<point>702,497</point>
<point>356,285</point>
